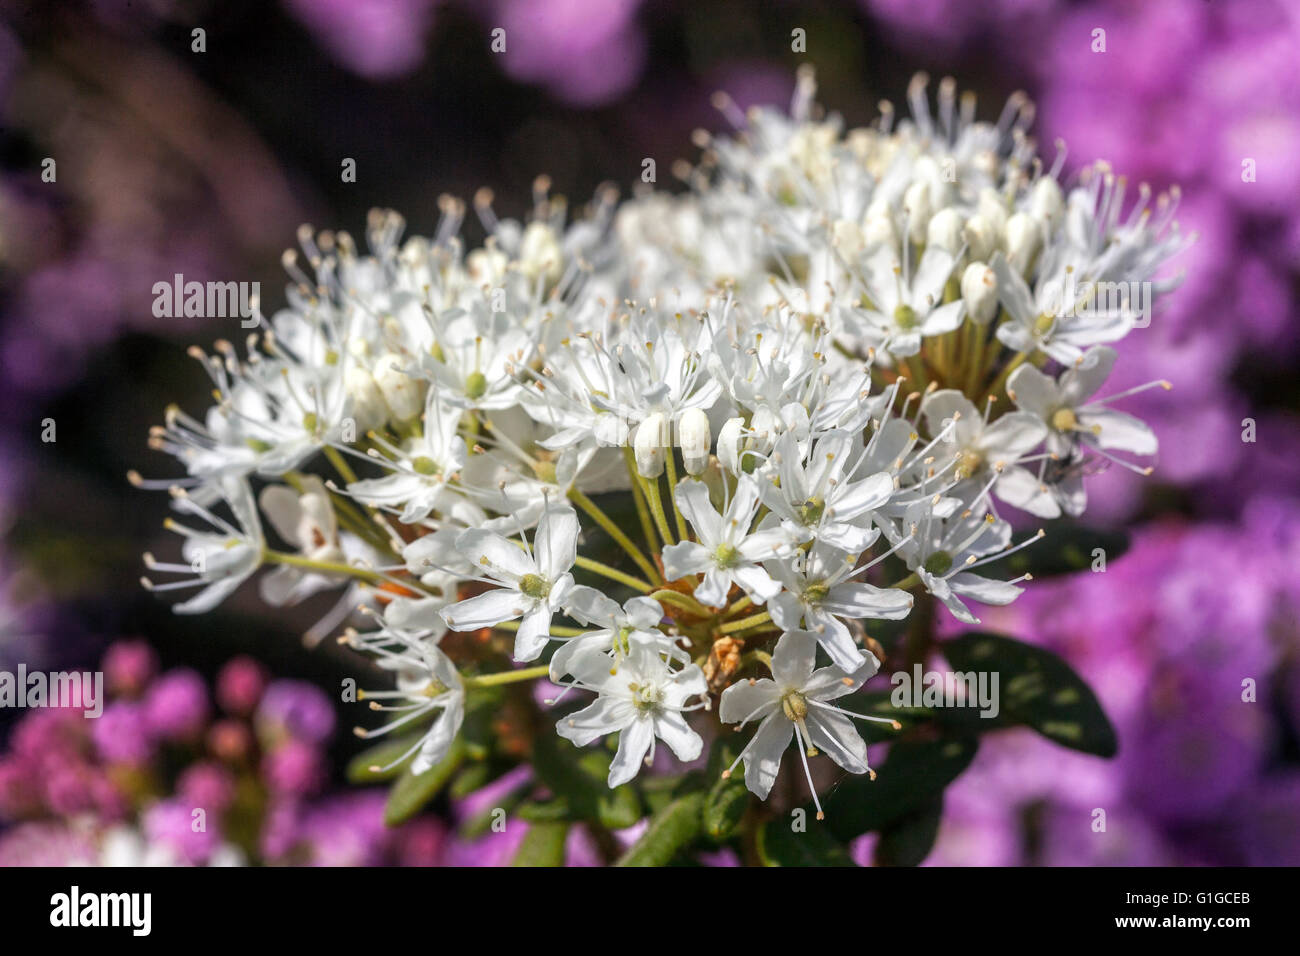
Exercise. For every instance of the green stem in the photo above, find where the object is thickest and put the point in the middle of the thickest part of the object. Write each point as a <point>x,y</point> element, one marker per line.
<point>682,533</point>
<point>638,495</point>
<point>555,629</point>
<point>651,487</point>
<point>614,574</point>
<point>506,677</point>
<point>745,622</point>
<point>683,601</point>
<point>326,567</point>
<point>615,532</point>
<point>340,464</point>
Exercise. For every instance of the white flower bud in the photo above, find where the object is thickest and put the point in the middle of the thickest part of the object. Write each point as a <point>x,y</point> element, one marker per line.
<point>401,392</point>
<point>539,252</point>
<point>993,209</point>
<point>979,290</point>
<point>848,239</point>
<point>944,231</point>
<point>982,239</point>
<point>878,229</point>
<point>729,436</point>
<point>1023,234</point>
<point>695,438</point>
<point>916,201</point>
<point>649,445</point>
<point>1046,202</point>
<point>368,406</point>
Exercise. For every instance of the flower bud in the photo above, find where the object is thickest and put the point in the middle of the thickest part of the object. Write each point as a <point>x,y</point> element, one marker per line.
<point>944,231</point>
<point>539,252</point>
<point>916,201</point>
<point>729,437</point>
<point>1022,241</point>
<point>368,406</point>
<point>694,436</point>
<point>401,392</point>
<point>982,238</point>
<point>1046,202</point>
<point>649,444</point>
<point>979,290</point>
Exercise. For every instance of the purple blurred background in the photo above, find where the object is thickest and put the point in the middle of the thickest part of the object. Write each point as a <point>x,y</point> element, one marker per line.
<point>170,160</point>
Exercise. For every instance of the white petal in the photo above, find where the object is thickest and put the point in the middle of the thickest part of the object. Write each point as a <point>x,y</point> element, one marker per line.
<point>677,734</point>
<point>485,610</point>
<point>633,743</point>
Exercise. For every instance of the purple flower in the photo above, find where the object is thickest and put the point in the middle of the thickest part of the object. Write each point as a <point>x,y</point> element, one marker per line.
<point>240,684</point>
<point>176,705</point>
<point>294,768</point>
<point>296,708</point>
<point>128,666</point>
<point>122,734</point>
<point>190,837</point>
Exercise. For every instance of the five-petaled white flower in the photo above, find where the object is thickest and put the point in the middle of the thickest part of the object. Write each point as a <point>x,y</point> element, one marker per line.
<point>532,584</point>
<point>642,699</point>
<point>727,551</point>
<point>793,704</point>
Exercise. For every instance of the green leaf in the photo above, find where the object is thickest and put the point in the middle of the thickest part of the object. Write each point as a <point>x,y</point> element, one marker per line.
<point>411,793</point>
<point>728,798</point>
<point>1036,688</point>
<point>543,845</point>
<point>915,773</point>
<point>671,830</point>
<point>780,845</point>
<point>579,778</point>
<point>482,821</point>
<point>1065,549</point>
<point>476,775</point>
<point>908,841</point>
<point>360,767</point>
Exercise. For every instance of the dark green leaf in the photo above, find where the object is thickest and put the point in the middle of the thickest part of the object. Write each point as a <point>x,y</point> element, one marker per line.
<point>671,830</point>
<point>543,845</point>
<point>361,767</point>
<point>1036,688</point>
<point>780,845</point>
<point>728,798</point>
<point>908,841</point>
<point>409,795</point>
<point>1065,549</point>
<point>579,778</point>
<point>915,773</point>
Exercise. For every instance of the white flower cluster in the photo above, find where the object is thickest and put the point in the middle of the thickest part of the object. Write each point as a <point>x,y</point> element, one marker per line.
<point>888,331</point>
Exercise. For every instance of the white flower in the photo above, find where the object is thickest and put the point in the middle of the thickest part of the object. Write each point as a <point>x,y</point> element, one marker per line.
<point>946,542</point>
<point>793,705</point>
<point>727,551</point>
<point>981,451</point>
<point>642,699</point>
<point>421,467</point>
<point>618,630</point>
<point>820,591</point>
<point>220,559</point>
<point>532,585</point>
<point>906,308</point>
<point>306,521</point>
<point>426,681</point>
<point>1062,406</point>
<point>819,501</point>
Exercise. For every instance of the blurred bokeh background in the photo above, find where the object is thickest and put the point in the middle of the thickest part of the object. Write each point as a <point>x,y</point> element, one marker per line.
<point>170,160</point>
